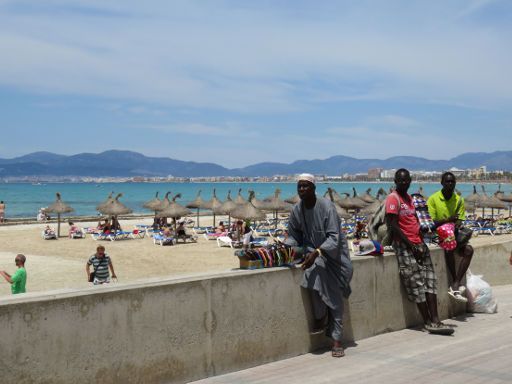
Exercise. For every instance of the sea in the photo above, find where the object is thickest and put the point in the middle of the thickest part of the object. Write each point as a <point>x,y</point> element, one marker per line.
<point>23,200</point>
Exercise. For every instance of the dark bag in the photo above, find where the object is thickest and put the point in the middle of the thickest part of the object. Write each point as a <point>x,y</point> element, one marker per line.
<point>463,235</point>
<point>92,275</point>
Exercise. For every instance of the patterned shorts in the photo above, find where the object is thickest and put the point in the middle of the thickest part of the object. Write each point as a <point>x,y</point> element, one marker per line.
<point>417,279</point>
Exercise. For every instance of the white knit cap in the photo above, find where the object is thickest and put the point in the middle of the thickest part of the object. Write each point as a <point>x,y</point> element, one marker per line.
<point>306,177</point>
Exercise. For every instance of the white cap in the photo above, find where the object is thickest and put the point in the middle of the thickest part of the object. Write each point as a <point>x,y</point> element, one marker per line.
<point>306,177</point>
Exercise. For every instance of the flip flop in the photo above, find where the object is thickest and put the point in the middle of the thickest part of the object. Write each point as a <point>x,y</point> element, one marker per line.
<point>337,352</point>
<point>457,296</point>
<point>439,329</point>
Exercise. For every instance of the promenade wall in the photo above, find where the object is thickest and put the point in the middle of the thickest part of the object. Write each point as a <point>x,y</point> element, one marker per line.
<point>178,330</point>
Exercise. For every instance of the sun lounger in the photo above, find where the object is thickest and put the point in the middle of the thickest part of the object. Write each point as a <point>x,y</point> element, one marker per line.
<point>48,235</point>
<point>77,234</point>
<point>214,235</point>
<point>201,230</point>
<point>187,237</point>
<point>162,240</point>
<point>119,235</point>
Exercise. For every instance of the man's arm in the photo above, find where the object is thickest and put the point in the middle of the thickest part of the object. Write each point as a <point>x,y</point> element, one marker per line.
<point>112,269</point>
<point>6,276</point>
<point>392,223</point>
<point>88,269</point>
<point>432,210</point>
<point>294,231</point>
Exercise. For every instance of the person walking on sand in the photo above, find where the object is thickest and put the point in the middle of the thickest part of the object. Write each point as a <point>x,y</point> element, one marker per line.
<point>414,262</point>
<point>444,207</point>
<point>101,263</point>
<point>2,212</point>
<point>315,226</point>
<point>18,281</point>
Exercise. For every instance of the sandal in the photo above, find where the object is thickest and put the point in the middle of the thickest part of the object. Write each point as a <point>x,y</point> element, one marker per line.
<point>457,296</point>
<point>439,329</point>
<point>337,352</point>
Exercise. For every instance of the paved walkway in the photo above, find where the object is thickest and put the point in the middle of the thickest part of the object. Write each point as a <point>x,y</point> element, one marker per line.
<point>480,351</point>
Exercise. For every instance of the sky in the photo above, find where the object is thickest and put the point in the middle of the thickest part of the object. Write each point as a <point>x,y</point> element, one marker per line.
<point>242,82</point>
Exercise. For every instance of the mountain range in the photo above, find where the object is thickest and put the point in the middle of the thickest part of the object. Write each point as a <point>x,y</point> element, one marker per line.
<point>115,163</point>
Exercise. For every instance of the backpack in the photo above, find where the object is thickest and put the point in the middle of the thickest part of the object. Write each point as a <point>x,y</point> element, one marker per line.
<point>377,228</point>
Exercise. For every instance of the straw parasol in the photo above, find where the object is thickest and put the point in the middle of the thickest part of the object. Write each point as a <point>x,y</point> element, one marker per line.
<point>372,208</point>
<point>59,207</point>
<point>506,199</point>
<point>153,204</point>
<point>227,207</point>
<point>106,202</point>
<point>239,199</point>
<point>473,199</point>
<point>293,200</point>
<point>248,211</point>
<point>381,194</point>
<point>214,204</point>
<point>336,196</point>
<point>174,210</point>
<point>353,202</point>
<point>275,204</point>
<point>115,208</point>
<point>490,202</point>
<point>198,203</point>
<point>366,197</point>
<point>342,212</point>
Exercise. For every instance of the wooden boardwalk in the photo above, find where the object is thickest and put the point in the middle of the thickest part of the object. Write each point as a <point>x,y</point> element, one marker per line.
<point>480,351</point>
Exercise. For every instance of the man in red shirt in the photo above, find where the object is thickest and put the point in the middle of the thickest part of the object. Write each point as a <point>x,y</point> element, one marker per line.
<point>414,262</point>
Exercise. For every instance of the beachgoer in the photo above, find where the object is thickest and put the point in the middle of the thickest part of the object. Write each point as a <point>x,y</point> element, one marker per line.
<point>74,230</point>
<point>18,281</point>
<point>315,226</point>
<point>414,262</point>
<point>101,263</point>
<point>247,231</point>
<point>180,230</point>
<point>445,206</point>
<point>220,228</point>
<point>2,211</point>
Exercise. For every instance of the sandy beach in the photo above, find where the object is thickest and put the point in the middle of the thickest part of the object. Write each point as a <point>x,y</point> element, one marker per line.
<point>56,264</point>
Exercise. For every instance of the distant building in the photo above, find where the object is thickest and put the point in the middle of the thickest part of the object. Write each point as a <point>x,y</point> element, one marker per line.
<point>374,173</point>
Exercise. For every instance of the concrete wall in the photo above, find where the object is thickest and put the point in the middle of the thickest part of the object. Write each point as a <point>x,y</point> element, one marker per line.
<point>166,331</point>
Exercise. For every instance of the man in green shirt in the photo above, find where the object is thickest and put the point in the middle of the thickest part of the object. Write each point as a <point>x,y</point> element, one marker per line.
<point>445,206</point>
<point>19,279</point>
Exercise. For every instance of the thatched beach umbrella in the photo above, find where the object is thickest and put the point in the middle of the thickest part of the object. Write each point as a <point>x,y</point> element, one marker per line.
<point>342,212</point>
<point>174,210</point>
<point>490,202</point>
<point>335,195</point>
<point>381,194</point>
<point>198,203</point>
<point>106,202</point>
<point>214,204</point>
<point>115,208</point>
<point>275,204</point>
<point>366,197</point>
<point>153,204</point>
<point>506,199</point>
<point>239,199</point>
<point>227,207</point>
<point>59,207</point>
<point>372,208</point>
<point>473,199</point>
<point>293,200</point>
<point>353,202</point>
<point>248,211</point>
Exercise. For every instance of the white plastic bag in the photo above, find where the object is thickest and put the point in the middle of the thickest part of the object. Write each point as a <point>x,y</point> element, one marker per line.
<point>480,296</point>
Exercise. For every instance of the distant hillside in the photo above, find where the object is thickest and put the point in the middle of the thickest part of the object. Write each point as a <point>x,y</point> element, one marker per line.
<point>128,164</point>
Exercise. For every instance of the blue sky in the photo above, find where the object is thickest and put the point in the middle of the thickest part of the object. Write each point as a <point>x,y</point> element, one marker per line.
<point>241,82</point>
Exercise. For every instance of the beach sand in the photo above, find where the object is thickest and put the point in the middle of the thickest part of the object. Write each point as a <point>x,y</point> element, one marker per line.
<point>57,264</point>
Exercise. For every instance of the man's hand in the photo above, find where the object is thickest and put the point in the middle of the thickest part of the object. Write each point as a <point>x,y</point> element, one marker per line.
<point>419,251</point>
<point>510,260</point>
<point>114,276</point>
<point>310,259</point>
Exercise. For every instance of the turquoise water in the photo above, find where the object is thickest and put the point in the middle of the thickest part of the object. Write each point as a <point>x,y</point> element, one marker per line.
<point>24,200</point>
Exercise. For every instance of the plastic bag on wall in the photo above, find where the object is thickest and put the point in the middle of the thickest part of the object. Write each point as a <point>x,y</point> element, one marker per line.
<point>480,296</point>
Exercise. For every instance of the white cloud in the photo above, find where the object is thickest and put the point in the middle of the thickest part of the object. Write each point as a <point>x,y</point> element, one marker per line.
<point>252,58</point>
